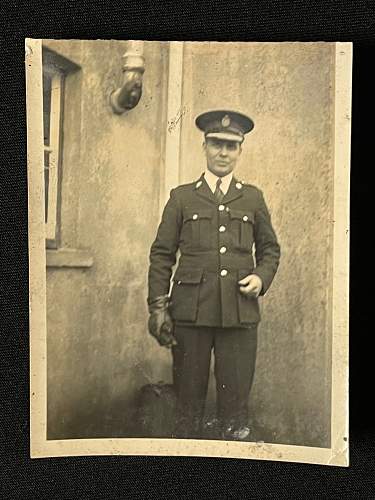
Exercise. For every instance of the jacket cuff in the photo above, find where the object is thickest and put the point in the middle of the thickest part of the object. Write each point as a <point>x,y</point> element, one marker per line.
<point>160,302</point>
<point>262,275</point>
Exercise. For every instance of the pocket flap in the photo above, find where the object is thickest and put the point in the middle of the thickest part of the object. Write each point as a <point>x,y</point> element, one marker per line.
<point>242,215</point>
<point>188,276</point>
<point>198,214</point>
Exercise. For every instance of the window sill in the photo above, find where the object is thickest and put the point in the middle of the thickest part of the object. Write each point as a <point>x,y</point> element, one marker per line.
<point>69,257</point>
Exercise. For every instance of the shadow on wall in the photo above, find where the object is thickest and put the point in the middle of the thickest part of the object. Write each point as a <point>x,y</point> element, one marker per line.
<point>120,418</point>
<point>148,414</point>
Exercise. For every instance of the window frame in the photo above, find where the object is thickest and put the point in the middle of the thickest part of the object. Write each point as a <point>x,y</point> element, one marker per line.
<point>58,67</point>
<point>53,149</point>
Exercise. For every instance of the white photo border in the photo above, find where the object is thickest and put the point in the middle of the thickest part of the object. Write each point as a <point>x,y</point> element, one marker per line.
<point>40,447</point>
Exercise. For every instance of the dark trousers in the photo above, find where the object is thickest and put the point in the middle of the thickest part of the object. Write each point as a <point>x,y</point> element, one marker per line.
<point>235,354</point>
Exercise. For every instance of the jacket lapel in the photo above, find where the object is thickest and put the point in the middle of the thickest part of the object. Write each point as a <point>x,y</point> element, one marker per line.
<point>235,191</point>
<point>203,190</point>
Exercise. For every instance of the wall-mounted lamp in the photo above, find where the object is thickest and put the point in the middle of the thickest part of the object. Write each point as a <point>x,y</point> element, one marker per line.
<point>128,95</point>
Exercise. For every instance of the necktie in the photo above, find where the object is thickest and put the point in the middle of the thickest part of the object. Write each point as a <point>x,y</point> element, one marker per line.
<point>219,195</point>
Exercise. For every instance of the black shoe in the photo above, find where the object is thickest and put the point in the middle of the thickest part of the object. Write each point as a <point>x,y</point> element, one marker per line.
<point>211,429</point>
<point>188,428</point>
<point>232,433</point>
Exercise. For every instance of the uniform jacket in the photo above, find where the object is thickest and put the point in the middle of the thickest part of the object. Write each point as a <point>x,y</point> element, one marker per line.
<point>216,251</point>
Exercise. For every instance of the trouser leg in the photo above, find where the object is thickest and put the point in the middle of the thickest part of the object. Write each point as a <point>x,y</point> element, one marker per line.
<point>235,355</point>
<point>191,365</point>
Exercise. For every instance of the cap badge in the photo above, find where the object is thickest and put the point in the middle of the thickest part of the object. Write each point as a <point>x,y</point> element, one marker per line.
<point>225,121</point>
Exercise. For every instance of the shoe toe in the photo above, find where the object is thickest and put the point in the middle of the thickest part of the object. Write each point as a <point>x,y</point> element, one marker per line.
<point>242,433</point>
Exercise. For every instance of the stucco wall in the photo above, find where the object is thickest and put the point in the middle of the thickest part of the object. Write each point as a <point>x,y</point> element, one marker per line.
<point>288,91</point>
<point>99,352</point>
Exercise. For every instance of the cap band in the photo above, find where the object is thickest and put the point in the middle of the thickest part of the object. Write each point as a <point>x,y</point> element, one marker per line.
<point>225,136</point>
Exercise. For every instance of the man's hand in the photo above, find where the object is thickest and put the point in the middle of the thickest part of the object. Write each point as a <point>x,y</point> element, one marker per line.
<point>160,324</point>
<point>251,285</point>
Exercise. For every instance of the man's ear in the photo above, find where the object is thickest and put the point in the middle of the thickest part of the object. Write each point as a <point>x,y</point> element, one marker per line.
<point>204,145</point>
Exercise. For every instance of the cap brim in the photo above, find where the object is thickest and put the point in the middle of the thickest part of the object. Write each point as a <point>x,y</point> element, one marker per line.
<point>225,136</point>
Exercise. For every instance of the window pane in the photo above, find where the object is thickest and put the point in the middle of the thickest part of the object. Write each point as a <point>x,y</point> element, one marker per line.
<point>46,181</point>
<point>47,79</point>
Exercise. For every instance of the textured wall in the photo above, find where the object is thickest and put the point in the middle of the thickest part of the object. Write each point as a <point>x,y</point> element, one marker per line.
<point>288,90</point>
<point>99,352</point>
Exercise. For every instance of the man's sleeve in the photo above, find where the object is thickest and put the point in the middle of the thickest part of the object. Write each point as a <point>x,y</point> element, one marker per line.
<point>267,248</point>
<point>164,248</point>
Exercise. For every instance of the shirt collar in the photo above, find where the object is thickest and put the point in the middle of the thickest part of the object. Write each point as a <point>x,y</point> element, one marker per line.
<point>211,180</point>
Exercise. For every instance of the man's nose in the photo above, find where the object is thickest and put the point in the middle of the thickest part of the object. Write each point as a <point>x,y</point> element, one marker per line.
<point>224,151</point>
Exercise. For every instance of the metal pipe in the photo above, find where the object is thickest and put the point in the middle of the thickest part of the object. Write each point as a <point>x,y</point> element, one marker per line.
<point>128,95</point>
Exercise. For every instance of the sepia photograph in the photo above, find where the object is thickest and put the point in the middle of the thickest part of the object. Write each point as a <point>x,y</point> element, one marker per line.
<point>188,248</point>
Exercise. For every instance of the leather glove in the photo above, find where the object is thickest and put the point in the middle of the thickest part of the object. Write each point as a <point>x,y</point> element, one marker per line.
<point>160,324</point>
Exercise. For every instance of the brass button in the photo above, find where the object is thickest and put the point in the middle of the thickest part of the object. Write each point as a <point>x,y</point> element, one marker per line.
<point>178,282</point>
<point>223,249</point>
<point>198,184</point>
<point>221,208</point>
<point>239,185</point>
<point>222,229</point>
<point>245,218</point>
<point>195,216</point>
<point>223,272</point>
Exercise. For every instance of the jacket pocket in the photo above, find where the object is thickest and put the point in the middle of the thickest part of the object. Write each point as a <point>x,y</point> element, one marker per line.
<point>185,294</point>
<point>242,228</point>
<point>197,227</point>
<point>248,307</point>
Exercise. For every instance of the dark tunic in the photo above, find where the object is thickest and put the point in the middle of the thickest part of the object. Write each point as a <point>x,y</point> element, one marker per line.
<point>216,242</point>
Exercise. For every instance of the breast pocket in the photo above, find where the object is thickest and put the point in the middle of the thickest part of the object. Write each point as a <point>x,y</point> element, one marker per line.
<point>185,294</point>
<point>242,229</point>
<point>197,229</point>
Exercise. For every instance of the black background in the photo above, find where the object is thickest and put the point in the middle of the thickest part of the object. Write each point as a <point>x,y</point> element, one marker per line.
<point>159,477</point>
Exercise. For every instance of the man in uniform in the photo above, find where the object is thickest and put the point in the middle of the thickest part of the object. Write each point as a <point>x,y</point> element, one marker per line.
<point>214,222</point>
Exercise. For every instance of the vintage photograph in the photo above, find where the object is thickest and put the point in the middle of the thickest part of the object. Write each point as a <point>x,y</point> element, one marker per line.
<point>189,236</point>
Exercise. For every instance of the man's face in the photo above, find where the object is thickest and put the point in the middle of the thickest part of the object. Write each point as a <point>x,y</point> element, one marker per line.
<point>221,155</point>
